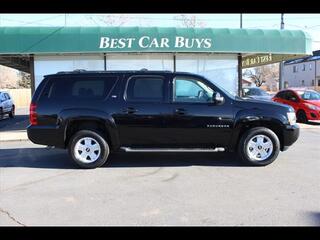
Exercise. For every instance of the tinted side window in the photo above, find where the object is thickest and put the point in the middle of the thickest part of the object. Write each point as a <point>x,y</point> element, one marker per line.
<point>83,87</point>
<point>281,95</point>
<point>145,89</point>
<point>290,96</point>
<point>253,91</point>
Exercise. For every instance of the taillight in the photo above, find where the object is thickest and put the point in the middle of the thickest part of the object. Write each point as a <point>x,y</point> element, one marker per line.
<point>33,114</point>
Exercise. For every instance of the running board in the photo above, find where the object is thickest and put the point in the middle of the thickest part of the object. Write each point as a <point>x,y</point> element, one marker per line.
<point>128,149</point>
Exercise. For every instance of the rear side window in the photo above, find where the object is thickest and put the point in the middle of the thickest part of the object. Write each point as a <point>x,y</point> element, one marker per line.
<point>145,89</point>
<point>83,87</point>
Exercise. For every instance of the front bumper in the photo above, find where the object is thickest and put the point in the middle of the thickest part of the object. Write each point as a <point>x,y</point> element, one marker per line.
<point>313,115</point>
<point>290,135</point>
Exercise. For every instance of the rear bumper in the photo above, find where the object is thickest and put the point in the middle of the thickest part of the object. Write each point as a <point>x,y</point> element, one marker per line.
<point>290,135</point>
<point>46,135</point>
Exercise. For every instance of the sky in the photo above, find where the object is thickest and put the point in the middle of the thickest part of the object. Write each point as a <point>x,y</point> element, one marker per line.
<point>307,22</point>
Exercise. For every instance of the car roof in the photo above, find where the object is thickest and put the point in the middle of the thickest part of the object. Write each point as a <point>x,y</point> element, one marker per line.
<point>299,89</point>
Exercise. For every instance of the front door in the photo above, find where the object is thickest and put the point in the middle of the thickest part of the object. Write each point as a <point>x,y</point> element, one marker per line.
<point>292,99</point>
<point>289,98</point>
<point>193,119</point>
<point>140,117</point>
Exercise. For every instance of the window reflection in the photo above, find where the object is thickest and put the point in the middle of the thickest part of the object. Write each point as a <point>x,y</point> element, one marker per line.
<point>218,68</point>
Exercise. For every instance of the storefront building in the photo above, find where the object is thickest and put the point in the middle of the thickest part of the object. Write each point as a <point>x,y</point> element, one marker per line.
<point>218,54</point>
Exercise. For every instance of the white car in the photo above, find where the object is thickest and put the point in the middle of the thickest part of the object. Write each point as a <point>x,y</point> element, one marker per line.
<point>256,93</point>
<point>6,105</point>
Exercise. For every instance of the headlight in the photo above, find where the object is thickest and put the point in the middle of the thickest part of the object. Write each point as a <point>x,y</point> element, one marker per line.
<point>312,107</point>
<point>292,117</point>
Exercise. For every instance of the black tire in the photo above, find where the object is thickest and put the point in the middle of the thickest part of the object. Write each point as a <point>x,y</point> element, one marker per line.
<point>242,147</point>
<point>12,112</point>
<point>104,147</point>
<point>302,117</point>
<point>1,113</point>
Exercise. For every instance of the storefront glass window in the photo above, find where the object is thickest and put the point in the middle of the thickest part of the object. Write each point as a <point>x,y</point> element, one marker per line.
<point>139,61</point>
<point>44,65</point>
<point>218,68</point>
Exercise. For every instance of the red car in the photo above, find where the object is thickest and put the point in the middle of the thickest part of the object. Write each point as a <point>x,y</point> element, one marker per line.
<point>306,102</point>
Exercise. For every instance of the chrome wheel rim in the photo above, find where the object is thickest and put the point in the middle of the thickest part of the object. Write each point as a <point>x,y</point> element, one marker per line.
<point>87,150</point>
<point>259,147</point>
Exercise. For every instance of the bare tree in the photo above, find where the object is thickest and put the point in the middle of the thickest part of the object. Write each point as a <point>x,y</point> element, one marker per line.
<point>110,20</point>
<point>264,75</point>
<point>189,21</point>
<point>24,80</point>
<point>255,75</point>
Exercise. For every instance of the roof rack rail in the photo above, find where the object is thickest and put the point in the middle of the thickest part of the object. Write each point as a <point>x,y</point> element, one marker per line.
<point>76,70</point>
<point>146,70</point>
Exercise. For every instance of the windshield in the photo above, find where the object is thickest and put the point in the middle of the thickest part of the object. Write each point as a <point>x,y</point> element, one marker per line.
<point>309,95</point>
<point>254,92</point>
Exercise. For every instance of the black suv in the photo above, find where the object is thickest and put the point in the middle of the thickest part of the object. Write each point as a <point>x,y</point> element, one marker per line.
<point>96,113</point>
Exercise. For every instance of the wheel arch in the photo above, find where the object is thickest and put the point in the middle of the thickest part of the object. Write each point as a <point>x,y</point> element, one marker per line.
<point>89,120</point>
<point>243,126</point>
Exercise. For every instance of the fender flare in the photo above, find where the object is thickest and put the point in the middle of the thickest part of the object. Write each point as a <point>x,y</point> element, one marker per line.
<point>255,117</point>
<point>65,117</point>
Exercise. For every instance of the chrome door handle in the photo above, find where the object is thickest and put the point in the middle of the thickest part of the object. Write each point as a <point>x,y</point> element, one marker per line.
<point>180,111</point>
<point>130,110</point>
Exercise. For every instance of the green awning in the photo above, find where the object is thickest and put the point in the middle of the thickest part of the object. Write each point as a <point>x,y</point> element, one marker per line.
<point>52,40</point>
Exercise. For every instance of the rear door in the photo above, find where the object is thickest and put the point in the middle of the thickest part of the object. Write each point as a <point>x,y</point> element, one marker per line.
<point>280,97</point>
<point>139,116</point>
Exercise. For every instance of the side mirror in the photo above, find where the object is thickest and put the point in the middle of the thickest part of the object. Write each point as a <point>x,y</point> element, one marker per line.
<point>217,98</point>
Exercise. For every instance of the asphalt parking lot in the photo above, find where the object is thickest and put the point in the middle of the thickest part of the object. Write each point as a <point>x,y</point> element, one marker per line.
<point>41,186</point>
<point>19,122</point>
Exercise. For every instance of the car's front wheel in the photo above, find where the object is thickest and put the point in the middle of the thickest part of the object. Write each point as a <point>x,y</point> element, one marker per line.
<point>259,146</point>
<point>88,149</point>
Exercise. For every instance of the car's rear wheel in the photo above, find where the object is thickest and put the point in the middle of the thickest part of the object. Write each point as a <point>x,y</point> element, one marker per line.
<point>88,149</point>
<point>12,113</point>
<point>259,146</point>
<point>302,117</point>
